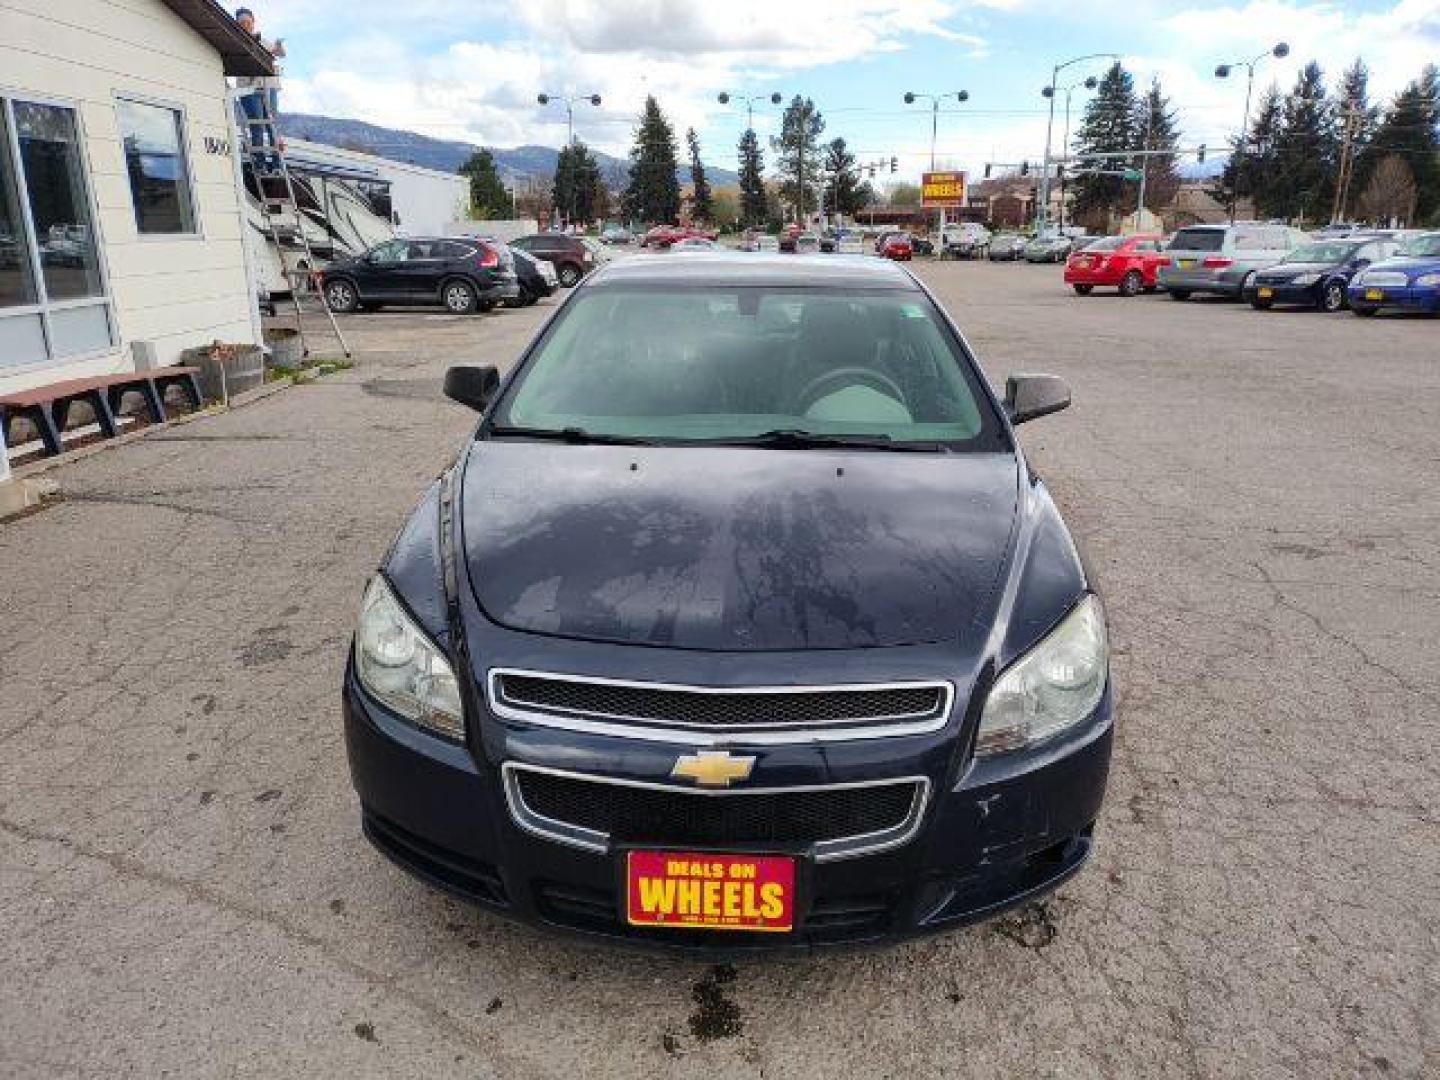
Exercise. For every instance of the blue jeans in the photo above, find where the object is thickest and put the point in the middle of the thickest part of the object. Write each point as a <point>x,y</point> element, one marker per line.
<point>258,106</point>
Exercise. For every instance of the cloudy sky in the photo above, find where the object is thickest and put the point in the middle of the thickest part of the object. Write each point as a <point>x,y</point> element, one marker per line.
<point>470,69</point>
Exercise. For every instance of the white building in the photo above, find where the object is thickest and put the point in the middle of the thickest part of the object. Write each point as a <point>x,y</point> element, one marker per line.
<point>120,218</point>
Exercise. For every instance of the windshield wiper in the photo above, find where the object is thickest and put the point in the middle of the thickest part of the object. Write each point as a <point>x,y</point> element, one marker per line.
<point>799,439</point>
<point>574,435</point>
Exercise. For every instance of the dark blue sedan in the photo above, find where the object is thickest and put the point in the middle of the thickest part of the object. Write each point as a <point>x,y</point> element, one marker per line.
<point>740,622</point>
<point>1408,282</point>
<point>1316,274</point>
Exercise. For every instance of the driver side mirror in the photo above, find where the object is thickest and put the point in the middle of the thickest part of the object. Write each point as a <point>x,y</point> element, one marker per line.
<point>472,386</point>
<point>1030,396</point>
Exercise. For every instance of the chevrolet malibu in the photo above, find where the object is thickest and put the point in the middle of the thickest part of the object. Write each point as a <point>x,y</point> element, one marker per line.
<point>739,622</point>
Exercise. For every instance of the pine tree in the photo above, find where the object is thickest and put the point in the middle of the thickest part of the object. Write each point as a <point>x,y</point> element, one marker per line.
<point>753,208</point>
<point>842,180</point>
<point>1108,126</point>
<point>797,151</point>
<point>1411,130</point>
<point>488,197</point>
<point>1253,169</point>
<point>1155,129</point>
<point>702,204</point>
<point>579,190</point>
<point>1306,152</point>
<point>653,192</point>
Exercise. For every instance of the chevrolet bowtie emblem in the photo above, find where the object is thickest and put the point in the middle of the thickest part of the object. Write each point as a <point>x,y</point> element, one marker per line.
<point>712,768</point>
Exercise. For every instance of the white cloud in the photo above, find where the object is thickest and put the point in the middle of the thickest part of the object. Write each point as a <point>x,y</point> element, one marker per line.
<point>682,51</point>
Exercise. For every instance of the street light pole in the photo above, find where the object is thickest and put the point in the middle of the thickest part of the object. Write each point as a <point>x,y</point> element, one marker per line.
<point>1042,212</point>
<point>1089,84</point>
<point>569,101</point>
<point>1222,71</point>
<point>960,96</point>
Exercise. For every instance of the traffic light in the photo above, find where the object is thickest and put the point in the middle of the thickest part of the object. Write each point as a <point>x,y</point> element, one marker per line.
<point>987,170</point>
<point>894,164</point>
<point>1024,168</point>
<point>1200,154</point>
<point>872,172</point>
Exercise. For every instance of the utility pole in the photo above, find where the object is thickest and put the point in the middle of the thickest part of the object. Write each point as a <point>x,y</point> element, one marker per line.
<point>1144,163</point>
<point>1042,211</point>
<point>1347,165</point>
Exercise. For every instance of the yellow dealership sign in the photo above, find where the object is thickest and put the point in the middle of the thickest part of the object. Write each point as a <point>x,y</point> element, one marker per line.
<point>942,189</point>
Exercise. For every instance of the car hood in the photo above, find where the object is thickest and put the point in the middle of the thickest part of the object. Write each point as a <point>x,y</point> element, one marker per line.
<point>1417,264</point>
<point>1294,268</point>
<point>737,548</point>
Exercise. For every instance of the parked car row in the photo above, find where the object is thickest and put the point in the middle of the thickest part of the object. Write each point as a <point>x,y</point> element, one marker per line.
<point>1269,264</point>
<point>459,273</point>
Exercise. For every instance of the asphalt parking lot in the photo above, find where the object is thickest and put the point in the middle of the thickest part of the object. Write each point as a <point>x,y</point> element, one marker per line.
<point>184,889</point>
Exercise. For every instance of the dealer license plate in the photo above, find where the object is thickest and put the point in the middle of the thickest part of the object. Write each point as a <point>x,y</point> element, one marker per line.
<point>708,891</point>
<point>1265,293</point>
<point>1374,294</point>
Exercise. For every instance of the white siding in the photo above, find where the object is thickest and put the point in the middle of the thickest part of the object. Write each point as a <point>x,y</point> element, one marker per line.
<point>177,291</point>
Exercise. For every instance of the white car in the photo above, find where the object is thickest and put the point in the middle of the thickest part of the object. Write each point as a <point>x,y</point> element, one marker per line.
<point>767,244</point>
<point>850,244</point>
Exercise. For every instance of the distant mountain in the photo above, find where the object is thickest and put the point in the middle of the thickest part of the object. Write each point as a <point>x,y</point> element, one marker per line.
<point>447,155</point>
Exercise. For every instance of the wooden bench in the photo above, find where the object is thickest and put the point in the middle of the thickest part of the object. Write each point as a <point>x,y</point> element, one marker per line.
<point>48,407</point>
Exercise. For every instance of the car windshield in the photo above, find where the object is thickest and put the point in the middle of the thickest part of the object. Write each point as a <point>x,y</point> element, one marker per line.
<point>1335,251</point>
<point>1198,240</point>
<point>749,364</point>
<point>1424,245</point>
<point>1109,243</point>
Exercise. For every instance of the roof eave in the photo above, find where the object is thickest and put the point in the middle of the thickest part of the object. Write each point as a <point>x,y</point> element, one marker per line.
<point>240,53</point>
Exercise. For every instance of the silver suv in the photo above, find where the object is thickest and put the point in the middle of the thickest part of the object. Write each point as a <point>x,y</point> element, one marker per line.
<point>1221,258</point>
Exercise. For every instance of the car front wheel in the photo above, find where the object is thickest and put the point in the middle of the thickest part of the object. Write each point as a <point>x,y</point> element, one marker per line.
<point>1332,297</point>
<point>341,296</point>
<point>459,297</point>
<point>1131,283</point>
<point>569,274</point>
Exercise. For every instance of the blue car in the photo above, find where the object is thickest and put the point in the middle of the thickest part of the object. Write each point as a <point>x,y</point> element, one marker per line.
<point>1408,282</point>
<point>739,623</point>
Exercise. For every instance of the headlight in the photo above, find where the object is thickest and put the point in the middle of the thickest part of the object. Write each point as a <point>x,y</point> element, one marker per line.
<point>1428,280</point>
<point>1054,686</point>
<point>402,668</point>
<point>1305,279</point>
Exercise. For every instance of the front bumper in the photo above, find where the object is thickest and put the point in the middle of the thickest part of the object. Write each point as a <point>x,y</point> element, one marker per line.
<point>1283,293</point>
<point>501,290</point>
<point>1424,299</point>
<point>1003,831</point>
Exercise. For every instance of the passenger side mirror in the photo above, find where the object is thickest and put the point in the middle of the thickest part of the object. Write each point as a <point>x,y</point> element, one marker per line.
<point>472,386</point>
<point>1030,396</point>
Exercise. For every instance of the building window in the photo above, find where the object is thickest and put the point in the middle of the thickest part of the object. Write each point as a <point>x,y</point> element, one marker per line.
<point>155,161</point>
<point>53,304</point>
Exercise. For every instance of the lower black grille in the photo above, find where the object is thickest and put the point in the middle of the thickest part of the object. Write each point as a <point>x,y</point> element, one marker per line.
<point>706,709</point>
<point>469,878</point>
<point>653,816</point>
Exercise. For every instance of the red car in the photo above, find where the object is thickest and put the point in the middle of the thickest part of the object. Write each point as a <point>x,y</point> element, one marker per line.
<point>1127,263</point>
<point>662,236</point>
<point>895,246</point>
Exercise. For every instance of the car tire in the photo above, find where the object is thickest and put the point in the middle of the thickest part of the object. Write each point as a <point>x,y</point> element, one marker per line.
<point>341,296</point>
<point>459,297</point>
<point>569,274</point>
<point>1179,294</point>
<point>1332,297</point>
<point>1083,290</point>
<point>1131,283</point>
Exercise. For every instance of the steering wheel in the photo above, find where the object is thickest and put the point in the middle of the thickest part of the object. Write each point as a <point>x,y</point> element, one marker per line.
<point>827,383</point>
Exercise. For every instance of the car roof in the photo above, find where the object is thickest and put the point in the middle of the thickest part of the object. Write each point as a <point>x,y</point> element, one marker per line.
<point>742,268</point>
